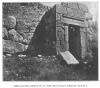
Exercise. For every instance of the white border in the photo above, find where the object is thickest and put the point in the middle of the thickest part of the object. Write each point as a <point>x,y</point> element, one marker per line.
<point>89,84</point>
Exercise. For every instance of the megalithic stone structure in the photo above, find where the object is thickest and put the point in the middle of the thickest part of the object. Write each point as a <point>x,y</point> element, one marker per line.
<point>64,28</point>
<point>71,28</point>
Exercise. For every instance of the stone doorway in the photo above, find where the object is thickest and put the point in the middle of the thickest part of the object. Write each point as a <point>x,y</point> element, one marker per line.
<point>74,41</point>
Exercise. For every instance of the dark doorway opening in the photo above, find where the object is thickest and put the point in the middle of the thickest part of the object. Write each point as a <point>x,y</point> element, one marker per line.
<point>74,41</point>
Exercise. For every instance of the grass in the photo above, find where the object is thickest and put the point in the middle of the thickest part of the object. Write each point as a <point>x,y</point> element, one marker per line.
<point>46,68</point>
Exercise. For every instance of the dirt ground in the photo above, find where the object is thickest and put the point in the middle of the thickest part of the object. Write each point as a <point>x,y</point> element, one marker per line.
<point>45,68</point>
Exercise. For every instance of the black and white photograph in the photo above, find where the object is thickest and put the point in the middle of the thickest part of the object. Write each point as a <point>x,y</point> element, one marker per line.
<point>50,41</point>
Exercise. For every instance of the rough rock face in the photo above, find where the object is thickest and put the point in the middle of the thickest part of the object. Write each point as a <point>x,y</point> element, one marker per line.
<point>9,22</point>
<point>5,33</point>
<point>27,37</point>
<point>13,47</point>
<point>21,26</point>
<point>15,36</point>
<point>20,21</point>
<point>73,10</point>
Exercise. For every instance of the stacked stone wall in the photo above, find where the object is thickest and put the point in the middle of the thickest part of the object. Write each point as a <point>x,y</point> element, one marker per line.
<point>20,21</point>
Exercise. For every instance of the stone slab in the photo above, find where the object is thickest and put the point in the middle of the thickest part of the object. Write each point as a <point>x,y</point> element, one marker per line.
<point>69,58</point>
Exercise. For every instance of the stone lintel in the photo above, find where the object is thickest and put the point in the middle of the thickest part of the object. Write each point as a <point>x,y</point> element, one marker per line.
<point>74,22</point>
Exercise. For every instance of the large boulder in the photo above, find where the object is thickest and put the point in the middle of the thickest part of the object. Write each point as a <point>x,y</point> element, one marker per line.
<point>9,22</point>
<point>5,33</point>
<point>13,47</point>
<point>15,36</point>
<point>21,26</point>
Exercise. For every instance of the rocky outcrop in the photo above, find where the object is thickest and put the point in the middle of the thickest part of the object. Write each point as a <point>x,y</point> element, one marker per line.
<point>13,47</point>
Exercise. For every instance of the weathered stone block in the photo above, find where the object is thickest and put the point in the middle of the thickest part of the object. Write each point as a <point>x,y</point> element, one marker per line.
<point>59,24</point>
<point>64,10</point>
<point>72,5</point>
<point>9,22</point>
<point>78,14</point>
<point>83,7</point>
<point>13,47</point>
<point>60,29</point>
<point>21,26</point>
<point>70,12</point>
<point>60,33</point>
<point>15,36</point>
<point>61,9</point>
<point>62,45</point>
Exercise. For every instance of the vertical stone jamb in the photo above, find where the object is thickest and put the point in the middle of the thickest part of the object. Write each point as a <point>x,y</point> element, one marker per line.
<point>83,42</point>
<point>66,38</point>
